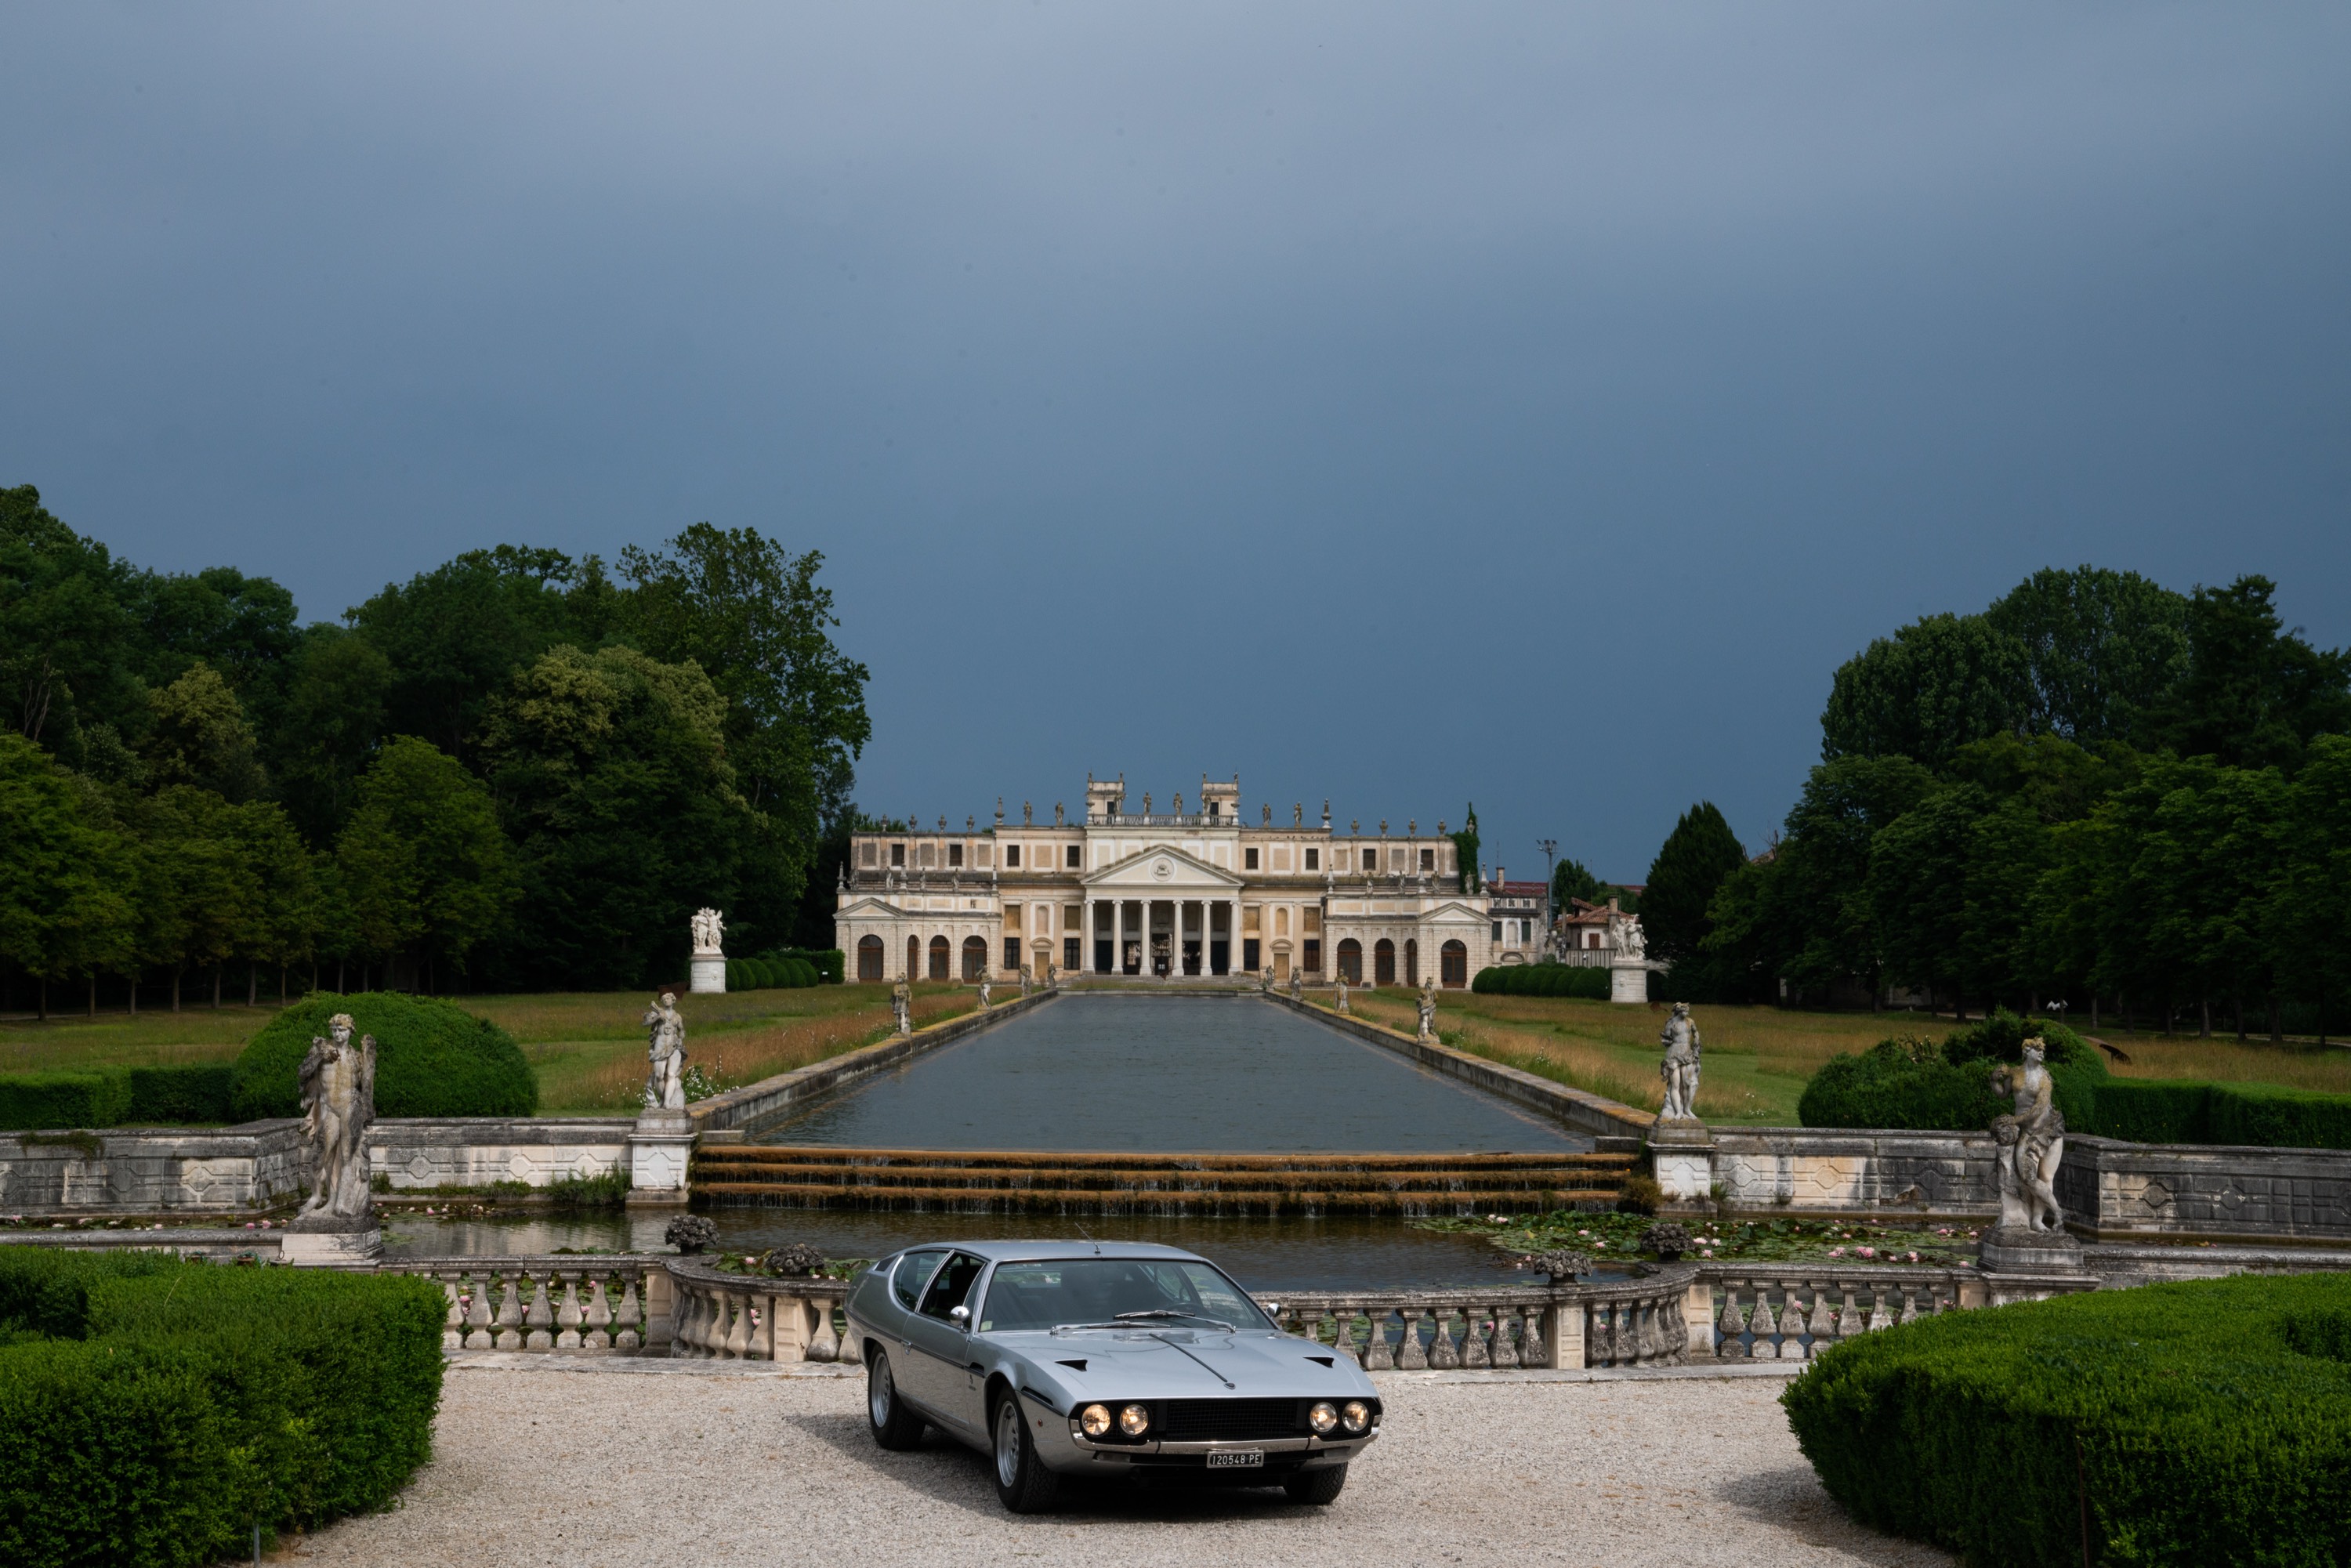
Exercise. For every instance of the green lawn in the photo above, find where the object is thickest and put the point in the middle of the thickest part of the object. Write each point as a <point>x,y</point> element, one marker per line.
<point>587,1048</point>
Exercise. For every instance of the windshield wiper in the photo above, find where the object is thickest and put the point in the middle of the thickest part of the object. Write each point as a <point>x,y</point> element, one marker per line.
<point>1173,1312</point>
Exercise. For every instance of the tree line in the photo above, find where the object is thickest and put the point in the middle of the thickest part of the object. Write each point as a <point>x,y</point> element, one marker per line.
<point>2097,791</point>
<point>518,769</point>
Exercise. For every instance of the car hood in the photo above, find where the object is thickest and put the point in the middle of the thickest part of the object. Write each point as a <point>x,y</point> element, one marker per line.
<point>1134,1363</point>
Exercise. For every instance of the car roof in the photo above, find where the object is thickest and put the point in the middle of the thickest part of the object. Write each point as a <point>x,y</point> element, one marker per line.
<point>1049,1251</point>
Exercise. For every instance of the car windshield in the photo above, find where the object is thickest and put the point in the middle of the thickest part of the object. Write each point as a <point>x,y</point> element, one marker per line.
<point>1149,1292</point>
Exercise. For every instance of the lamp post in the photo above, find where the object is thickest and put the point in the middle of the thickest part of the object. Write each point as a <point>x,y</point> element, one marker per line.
<point>1549,848</point>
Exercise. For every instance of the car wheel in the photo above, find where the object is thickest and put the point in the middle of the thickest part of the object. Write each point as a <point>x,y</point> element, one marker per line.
<point>1319,1488</point>
<point>1023,1484</point>
<point>894,1426</point>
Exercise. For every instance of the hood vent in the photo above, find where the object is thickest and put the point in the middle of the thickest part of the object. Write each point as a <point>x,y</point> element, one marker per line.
<point>1325,1360</point>
<point>1079,1366</point>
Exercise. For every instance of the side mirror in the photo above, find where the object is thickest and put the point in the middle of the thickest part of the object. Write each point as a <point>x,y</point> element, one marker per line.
<point>1270,1309</point>
<point>962,1315</point>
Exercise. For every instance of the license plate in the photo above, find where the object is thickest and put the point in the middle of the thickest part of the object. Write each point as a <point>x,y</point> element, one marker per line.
<point>1235,1458</point>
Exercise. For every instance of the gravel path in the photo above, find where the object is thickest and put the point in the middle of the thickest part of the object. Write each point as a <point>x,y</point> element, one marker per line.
<point>713,1468</point>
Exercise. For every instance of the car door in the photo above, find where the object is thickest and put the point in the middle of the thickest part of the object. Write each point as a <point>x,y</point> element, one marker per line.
<point>905,1295</point>
<point>938,1370</point>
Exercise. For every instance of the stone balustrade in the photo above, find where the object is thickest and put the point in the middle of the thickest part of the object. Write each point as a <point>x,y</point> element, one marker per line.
<point>749,1317</point>
<point>1635,1323</point>
<point>561,1305</point>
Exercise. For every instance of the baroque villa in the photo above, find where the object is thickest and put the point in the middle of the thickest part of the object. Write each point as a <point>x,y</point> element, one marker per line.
<point>1163,893</point>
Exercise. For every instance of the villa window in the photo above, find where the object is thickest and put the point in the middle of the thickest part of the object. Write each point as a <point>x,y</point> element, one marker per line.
<point>1313,860</point>
<point>1428,860</point>
<point>866,855</point>
<point>1249,859</point>
<point>898,856</point>
<point>1012,857</point>
<point>955,855</point>
<point>1371,859</point>
<point>1497,931</point>
<point>1070,960</point>
<point>1071,860</point>
<point>1312,962</point>
<point>1012,952</point>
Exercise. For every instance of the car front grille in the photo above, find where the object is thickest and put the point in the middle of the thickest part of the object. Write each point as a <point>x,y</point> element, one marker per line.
<point>1231,1420</point>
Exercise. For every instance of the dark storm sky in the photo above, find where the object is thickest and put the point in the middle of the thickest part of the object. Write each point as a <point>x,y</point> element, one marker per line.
<point>1402,404</point>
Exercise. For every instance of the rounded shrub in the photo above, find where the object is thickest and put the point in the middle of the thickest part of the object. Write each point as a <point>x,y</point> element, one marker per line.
<point>798,974</point>
<point>2207,1421</point>
<point>433,1058</point>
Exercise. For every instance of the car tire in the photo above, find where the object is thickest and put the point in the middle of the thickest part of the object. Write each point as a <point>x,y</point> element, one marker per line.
<point>894,1426</point>
<point>1023,1484</point>
<point>1319,1488</point>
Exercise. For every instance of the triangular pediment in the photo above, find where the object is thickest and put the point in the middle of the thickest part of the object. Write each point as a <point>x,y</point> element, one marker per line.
<point>867,904</point>
<point>1160,868</point>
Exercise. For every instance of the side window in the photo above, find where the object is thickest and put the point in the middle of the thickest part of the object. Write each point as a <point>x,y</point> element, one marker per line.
<point>1074,857</point>
<point>1313,860</point>
<point>1427,860</point>
<point>913,1271</point>
<point>1371,859</point>
<point>954,854</point>
<point>898,856</point>
<point>1250,863</point>
<point>952,1285</point>
<point>1011,856</point>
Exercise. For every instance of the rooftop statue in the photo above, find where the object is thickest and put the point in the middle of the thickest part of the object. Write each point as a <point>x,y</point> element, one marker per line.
<point>338,1081</point>
<point>665,1051</point>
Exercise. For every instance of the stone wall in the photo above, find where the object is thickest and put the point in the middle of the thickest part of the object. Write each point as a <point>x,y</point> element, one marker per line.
<point>476,1150</point>
<point>2113,1190</point>
<point>166,1170</point>
<point>1828,1171</point>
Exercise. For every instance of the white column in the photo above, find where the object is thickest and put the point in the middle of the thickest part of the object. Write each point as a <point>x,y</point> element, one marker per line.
<point>1118,936</point>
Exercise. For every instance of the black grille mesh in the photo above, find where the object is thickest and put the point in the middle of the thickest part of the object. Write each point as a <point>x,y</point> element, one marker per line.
<point>1231,1420</point>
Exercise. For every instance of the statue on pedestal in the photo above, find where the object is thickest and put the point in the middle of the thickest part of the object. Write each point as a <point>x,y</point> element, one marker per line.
<point>1428,1009</point>
<point>709,930</point>
<point>1680,1069</point>
<point>1342,991</point>
<point>1296,984</point>
<point>985,984</point>
<point>1024,981</point>
<point>338,1081</point>
<point>2032,1144</point>
<point>901,1006</point>
<point>1625,939</point>
<point>665,1051</point>
<point>1265,982</point>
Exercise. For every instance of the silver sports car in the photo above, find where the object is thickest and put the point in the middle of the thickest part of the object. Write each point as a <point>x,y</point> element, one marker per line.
<point>1110,1360</point>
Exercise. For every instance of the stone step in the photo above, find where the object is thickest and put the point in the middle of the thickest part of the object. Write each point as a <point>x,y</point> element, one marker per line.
<point>742,1155</point>
<point>1094,1200</point>
<point>711,1176</point>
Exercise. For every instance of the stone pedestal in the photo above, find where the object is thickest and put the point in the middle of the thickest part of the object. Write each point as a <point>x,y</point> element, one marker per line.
<point>1629,983</point>
<point>658,1151</point>
<point>1683,1154</point>
<point>2012,1249</point>
<point>706,974</point>
<point>362,1249</point>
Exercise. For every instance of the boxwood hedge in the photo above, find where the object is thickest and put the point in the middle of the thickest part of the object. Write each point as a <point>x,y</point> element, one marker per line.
<point>2207,1422</point>
<point>433,1058</point>
<point>152,1412</point>
<point>1543,980</point>
<point>114,1096</point>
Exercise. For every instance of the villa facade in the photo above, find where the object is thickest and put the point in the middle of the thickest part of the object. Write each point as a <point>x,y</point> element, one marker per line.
<point>1161,894</point>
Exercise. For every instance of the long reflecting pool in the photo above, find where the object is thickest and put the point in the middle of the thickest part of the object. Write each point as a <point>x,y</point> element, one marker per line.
<point>1209,1075</point>
<point>1294,1254</point>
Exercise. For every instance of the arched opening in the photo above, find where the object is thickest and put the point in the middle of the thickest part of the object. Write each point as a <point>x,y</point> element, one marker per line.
<point>869,958</point>
<point>938,957</point>
<point>914,957</point>
<point>1351,961</point>
<point>1453,966</point>
<point>1411,961</point>
<point>975,958</point>
<point>1383,963</point>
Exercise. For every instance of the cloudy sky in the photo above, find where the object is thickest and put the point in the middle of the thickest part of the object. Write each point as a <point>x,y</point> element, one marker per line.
<point>1401,404</point>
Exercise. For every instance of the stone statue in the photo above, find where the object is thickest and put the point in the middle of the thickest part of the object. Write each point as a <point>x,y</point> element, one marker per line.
<point>985,984</point>
<point>2031,1143</point>
<point>1624,934</point>
<point>666,1050</point>
<point>1680,1069</point>
<point>1024,980</point>
<point>1052,976</point>
<point>338,1081</point>
<point>1265,982</point>
<point>1296,984</point>
<point>1428,1009</point>
<point>1342,991</point>
<point>902,1005</point>
<point>709,929</point>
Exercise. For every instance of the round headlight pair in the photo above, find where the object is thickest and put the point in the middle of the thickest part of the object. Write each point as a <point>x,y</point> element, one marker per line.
<point>1356,1416</point>
<point>1323,1418</point>
<point>1094,1420</point>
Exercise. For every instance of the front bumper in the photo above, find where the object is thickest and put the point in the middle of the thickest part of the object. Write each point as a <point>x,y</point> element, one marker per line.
<point>1283,1455</point>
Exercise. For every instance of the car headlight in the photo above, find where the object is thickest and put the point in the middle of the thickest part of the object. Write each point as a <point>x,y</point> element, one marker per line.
<point>1094,1419</point>
<point>1323,1418</point>
<point>1356,1416</point>
<point>1135,1420</point>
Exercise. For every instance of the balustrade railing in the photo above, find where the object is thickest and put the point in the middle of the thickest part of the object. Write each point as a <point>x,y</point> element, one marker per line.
<point>561,1304</point>
<point>1791,1313</point>
<point>1636,1323</point>
<point>748,1317</point>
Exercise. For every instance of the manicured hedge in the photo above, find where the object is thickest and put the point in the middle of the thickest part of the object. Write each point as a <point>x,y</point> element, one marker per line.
<point>1543,980</point>
<point>769,974</point>
<point>151,1411</point>
<point>30,1101</point>
<point>2207,1422</point>
<point>433,1058</point>
<point>825,961</point>
<point>1885,1087</point>
<point>115,1096</point>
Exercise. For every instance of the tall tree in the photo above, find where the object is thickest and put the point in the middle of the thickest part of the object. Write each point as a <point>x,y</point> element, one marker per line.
<point>1931,688</point>
<point>331,724</point>
<point>198,896</point>
<point>1465,850</point>
<point>2254,694</point>
<point>2310,918</point>
<point>1570,880</point>
<point>2103,649</point>
<point>1696,856</point>
<point>423,864</point>
<point>67,645</point>
<point>63,871</point>
<point>199,736</point>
